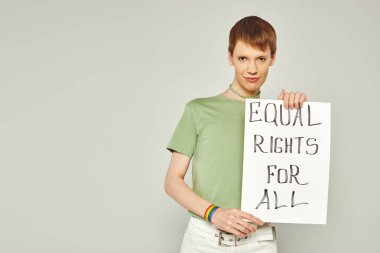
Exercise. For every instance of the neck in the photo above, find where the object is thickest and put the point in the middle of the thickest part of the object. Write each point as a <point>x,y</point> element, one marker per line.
<point>228,93</point>
<point>243,95</point>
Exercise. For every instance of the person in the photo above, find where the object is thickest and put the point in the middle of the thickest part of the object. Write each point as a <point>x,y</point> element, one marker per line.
<point>211,133</point>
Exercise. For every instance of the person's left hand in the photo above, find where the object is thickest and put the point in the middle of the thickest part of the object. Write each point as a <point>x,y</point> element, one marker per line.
<point>292,100</point>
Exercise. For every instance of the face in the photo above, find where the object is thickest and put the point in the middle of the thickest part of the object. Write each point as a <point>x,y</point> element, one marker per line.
<point>250,62</point>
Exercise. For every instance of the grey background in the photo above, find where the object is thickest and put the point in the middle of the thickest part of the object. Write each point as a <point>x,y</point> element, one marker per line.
<point>91,91</point>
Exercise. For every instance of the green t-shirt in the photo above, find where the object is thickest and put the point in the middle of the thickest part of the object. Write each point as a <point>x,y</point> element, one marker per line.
<point>211,130</point>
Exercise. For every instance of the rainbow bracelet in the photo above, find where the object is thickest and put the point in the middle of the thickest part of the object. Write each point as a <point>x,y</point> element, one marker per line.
<point>210,211</point>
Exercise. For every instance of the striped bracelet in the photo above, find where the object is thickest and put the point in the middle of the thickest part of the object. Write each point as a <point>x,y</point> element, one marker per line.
<point>210,211</point>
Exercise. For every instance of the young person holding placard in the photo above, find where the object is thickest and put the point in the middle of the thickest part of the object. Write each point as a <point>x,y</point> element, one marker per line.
<point>211,131</point>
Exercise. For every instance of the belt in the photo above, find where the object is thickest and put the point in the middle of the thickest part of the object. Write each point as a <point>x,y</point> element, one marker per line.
<point>225,239</point>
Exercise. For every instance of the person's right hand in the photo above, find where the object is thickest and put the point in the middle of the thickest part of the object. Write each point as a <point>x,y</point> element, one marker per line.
<point>231,220</point>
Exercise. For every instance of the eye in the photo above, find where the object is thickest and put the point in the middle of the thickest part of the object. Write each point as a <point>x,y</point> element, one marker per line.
<point>262,59</point>
<point>241,57</point>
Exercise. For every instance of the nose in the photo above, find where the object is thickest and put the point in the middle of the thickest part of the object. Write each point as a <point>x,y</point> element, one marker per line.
<point>252,68</point>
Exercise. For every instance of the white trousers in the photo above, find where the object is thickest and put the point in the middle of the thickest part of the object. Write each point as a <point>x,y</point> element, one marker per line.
<point>204,237</point>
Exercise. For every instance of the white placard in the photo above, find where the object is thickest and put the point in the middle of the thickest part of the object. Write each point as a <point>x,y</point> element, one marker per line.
<point>286,161</point>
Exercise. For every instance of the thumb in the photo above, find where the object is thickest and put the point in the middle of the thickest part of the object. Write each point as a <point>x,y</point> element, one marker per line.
<point>282,95</point>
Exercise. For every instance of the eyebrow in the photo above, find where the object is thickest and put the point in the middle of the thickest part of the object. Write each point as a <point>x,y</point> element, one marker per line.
<point>261,55</point>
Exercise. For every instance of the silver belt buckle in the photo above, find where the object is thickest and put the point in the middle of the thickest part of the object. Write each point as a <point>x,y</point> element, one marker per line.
<point>221,238</point>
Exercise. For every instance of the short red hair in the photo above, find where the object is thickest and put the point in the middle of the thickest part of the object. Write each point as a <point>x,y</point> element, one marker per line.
<point>255,32</point>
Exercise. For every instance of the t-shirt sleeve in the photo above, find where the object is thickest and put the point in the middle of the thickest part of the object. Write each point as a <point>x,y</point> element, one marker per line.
<point>184,137</point>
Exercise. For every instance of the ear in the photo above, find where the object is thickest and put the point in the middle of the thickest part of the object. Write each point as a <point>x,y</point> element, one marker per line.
<point>229,57</point>
<point>273,60</point>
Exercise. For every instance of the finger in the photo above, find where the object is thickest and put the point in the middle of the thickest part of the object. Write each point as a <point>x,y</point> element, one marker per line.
<point>282,94</point>
<point>241,227</point>
<point>252,218</point>
<point>286,100</point>
<point>303,98</point>
<point>251,228</point>
<point>291,100</point>
<point>297,100</point>
<point>233,230</point>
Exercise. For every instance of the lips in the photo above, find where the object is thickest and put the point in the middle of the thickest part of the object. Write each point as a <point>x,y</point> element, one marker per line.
<point>251,80</point>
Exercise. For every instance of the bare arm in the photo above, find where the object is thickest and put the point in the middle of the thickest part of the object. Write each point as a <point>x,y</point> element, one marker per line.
<point>230,220</point>
<point>176,187</point>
